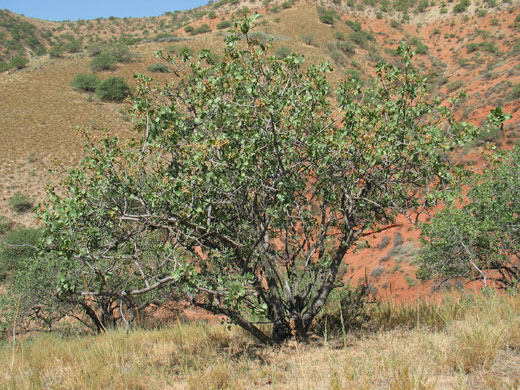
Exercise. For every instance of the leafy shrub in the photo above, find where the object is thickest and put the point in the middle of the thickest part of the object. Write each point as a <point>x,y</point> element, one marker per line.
<point>113,89</point>
<point>158,67</point>
<point>354,25</point>
<point>224,24</point>
<point>189,29</point>
<point>103,62</point>
<point>461,6</point>
<point>85,82</point>
<point>20,202</point>
<point>56,51</point>
<point>361,37</point>
<point>327,16</point>
<point>19,62</point>
<point>201,30</point>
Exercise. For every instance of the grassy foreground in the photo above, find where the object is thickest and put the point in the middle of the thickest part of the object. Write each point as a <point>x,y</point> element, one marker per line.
<point>468,343</point>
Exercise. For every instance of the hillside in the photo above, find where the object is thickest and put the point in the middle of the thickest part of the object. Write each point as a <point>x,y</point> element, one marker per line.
<point>475,47</point>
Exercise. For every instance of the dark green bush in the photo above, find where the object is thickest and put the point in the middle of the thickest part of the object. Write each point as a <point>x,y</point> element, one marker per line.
<point>224,24</point>
<point>189,29</point>
<point>461,7</point>
<point>201,30</point>
<point>103,62</point>
<point>113,89</point>
<point>327,16</point>
<point>19,62</point>
<point>158,67</point>
<point>20,202</point>
<point>85,82</point>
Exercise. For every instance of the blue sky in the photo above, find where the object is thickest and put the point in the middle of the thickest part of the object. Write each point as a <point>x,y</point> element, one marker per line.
<point>90,9</point>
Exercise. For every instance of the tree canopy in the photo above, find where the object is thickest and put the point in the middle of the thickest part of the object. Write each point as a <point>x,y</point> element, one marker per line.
<point>481,239</point>
<point>248,182</point>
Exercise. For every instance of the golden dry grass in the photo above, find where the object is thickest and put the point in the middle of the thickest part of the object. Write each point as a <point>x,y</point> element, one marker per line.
<point>481,350</point>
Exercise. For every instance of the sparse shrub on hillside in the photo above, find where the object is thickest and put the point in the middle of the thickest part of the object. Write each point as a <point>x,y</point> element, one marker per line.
<point>384,242</point>
<point>461,6</point>
<point>189,29</point>
<point>19,62</point>
<point>455,85</point>
<point>361,37</point>
<point>224,24</point>
<point>283,52</point>
<point>354,25</point>
<point>327,16</point>
<point>102,62</point>
<point>377,272</point>
<point>20,202</point>
<point>308,39</point>
<point>515,93</point>
<point>56,51</point>
<point>201,30</point>
<point>113,89</point>
<point>85,82</point>
<point>158,67</point>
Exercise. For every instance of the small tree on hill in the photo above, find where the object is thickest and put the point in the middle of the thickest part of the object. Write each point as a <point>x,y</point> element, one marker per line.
<point>481,240</point>
<point>252,186</point>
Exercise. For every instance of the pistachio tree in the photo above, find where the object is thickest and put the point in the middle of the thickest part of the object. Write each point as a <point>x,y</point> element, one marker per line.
<point>247,184</point>
<point>481,239</point>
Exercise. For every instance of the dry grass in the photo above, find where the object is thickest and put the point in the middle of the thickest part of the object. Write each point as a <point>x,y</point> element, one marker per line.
<point>479,350</point>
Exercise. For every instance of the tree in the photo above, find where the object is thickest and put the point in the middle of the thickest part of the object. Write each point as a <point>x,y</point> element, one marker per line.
<point>480,240</point>
<point>245,188</point>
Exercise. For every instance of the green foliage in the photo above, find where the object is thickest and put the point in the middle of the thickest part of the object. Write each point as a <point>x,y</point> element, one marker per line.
<point>201,30</point>
<point>224,24</point>
<point>234,158</point>
<point>19,62</point>
<point>5,224</point>
<point>102,62</point>
<point>327,16</point>
<point>461,6</point>
<point>189,29</point>
<point>56,51</point>
<point>20,202</point>
<point>158,67</point>
<point>85,82</point>
<point>479,240</point>
<point>17,246</point>
<point>113,89</point>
